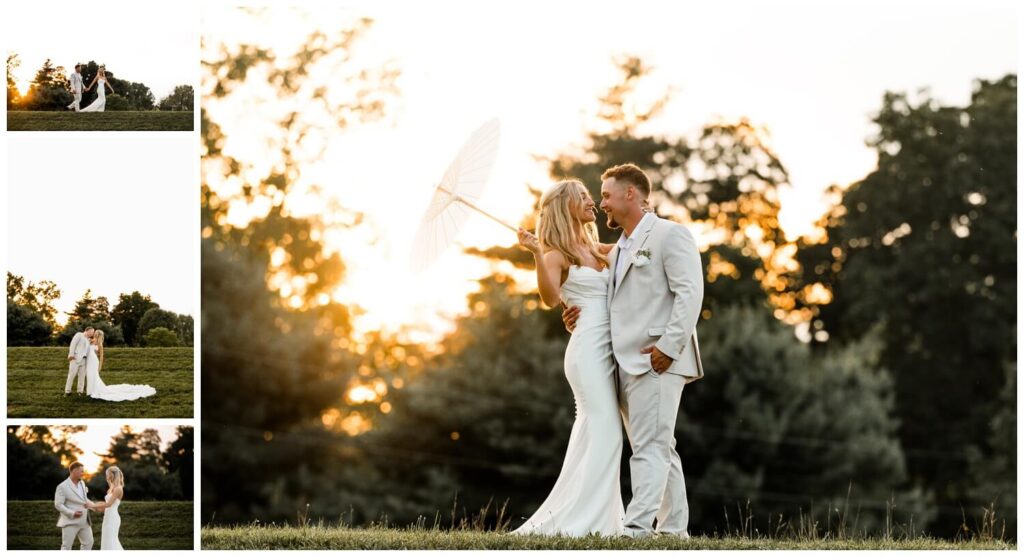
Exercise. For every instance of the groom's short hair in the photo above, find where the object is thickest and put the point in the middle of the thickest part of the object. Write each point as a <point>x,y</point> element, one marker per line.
<point>75,465</point>
<point>93,328</point>
<point>631,174</point>
<point>78,66</point>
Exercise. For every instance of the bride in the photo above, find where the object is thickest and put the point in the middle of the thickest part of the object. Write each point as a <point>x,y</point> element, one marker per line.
<point>101,101</point>
<point>111,501</point>
<point>573,266</point>
<point>94,386</point>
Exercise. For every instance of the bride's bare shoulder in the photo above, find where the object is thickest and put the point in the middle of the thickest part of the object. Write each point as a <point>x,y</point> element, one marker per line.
<point>556,258</point>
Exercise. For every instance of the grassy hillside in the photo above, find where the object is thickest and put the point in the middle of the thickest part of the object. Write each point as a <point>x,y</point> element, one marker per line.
<point>144,525</point>
<point>36,377</point>
<point>329,537</point>
<point>150,120</point>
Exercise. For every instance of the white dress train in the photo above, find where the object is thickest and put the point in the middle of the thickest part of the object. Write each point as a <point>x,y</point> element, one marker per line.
<point>101,101</point>
<point>111,526</point>
<point>95,388</point>
<point>586,498</point>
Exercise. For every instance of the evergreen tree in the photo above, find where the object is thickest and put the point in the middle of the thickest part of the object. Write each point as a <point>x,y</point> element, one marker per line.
<point>128,312</point>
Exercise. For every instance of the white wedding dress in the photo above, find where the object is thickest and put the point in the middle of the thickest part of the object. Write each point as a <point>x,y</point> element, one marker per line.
<point>95,388</point>
<point>111,526</point>
<point>587,498</point>
<point>101,101</point>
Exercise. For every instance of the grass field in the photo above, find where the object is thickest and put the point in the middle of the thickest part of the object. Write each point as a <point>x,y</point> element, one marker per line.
<point>327,537</point>
<point>118,120</point>
<point>36,377</point>
<point>144,525</point>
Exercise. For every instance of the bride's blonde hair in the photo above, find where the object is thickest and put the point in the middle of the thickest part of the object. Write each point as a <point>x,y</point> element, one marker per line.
<point>560,229</point>
<point>115,477</point>
<point>99,346</point>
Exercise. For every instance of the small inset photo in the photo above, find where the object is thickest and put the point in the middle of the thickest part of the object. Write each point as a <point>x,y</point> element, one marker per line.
<point>100,282</point>
<point>110,486</point>
<point>100,70</point>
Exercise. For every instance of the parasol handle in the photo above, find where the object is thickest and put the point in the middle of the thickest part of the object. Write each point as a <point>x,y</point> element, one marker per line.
<point>469,204</point>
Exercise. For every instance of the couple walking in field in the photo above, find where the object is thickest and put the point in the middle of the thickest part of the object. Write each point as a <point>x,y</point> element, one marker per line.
<point>98,105</point>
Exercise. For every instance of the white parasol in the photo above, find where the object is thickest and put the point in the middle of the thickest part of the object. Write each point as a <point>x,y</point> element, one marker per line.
<point>459,191</point>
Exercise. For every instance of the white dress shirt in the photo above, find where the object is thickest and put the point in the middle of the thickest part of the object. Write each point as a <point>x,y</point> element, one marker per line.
<point>625,244</point>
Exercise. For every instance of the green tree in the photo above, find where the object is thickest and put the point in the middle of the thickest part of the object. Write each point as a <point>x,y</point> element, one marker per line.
<point>33,468</point>
<point>790,431</point>
<point>117,102</point>
<point>26,327</point>
<point>270,367</point>
<point>186,329</point>
<point>13,96</point>
<point>160,336</point>
<point>926,245</point>
<point>38,297</point>
<point>128,312</point>
<point>156,317</point>
<point>88,308</point>
<point>50,89</point>
<point>179,459</point>
<point>178,99</point>
<point>138,455</point>
<point>993,471</point>
<point>57,438</point>
<point>138,95</point>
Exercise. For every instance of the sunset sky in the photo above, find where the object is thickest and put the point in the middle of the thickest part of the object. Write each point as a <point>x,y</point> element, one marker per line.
<point>161,53</point>
<point>812,76</point>
<point>95,440</point>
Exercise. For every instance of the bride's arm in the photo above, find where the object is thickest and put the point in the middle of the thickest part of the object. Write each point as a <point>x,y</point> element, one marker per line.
<point>94,78</point>
<point>549,268</point>
<point>549,276</point>
<point>100,507</point>
<point>605,249</point>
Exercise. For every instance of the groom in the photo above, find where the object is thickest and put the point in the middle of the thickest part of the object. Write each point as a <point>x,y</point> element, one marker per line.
<point>654,299</point>
<point>71,499</point>
<point>76,88</point>
<point>77,353</point>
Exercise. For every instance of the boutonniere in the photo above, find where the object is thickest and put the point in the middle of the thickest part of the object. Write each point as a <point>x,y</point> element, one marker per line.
<point>641,257</point>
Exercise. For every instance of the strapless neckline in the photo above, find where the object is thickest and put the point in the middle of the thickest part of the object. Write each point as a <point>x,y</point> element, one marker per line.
<point>601,272</point>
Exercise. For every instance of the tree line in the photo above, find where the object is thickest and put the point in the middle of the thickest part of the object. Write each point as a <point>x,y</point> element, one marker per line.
<point>135,320</point>
<point>38,458</point>
<point>51,90</point>
<point>869,364</point>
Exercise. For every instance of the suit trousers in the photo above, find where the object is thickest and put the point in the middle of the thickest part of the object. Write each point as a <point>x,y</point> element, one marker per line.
<point>78,100</point>
<point>75,369</point>
<point>649,404</point>
<point>81,531</point>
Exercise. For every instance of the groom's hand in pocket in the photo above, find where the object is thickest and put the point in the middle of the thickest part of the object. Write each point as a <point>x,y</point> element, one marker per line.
<point>659,361</point>
<point>569,316</point>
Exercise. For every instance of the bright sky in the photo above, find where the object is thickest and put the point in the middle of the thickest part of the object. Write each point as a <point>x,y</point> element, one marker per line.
<point>104,211</point>
<point>812,75</point>
<point>157,46</point>
<point>95,441</point>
